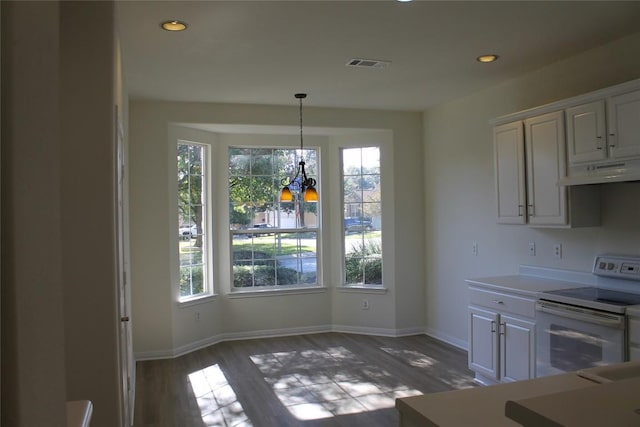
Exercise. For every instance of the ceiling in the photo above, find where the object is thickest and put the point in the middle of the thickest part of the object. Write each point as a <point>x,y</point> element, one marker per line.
<point>262,52</point>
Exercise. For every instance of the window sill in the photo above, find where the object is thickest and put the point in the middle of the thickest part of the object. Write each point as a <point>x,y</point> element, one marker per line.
<point>363,289</point>
<point>200,299</point>
<point>276,292</point>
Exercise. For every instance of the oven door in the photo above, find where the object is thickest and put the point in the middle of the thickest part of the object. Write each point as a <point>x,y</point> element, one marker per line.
<point>570,338</point>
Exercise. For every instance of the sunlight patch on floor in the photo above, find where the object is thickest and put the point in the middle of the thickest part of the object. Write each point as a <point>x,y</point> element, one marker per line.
<point>216,399</point>
<point>317,384</point>
<point>414,358</point>
<point>420,360</point>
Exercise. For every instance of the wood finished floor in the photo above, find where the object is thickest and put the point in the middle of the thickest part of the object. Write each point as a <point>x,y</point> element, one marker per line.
<point>328,379</point>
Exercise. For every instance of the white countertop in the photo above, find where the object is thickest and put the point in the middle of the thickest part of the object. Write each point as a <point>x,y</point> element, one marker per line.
<point>480,406</point>
<point>523,284</point>
<point>610,397</point>
<point>613,404</point>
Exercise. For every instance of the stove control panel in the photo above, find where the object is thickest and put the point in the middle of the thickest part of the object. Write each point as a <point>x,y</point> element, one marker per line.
<point>620,267</point>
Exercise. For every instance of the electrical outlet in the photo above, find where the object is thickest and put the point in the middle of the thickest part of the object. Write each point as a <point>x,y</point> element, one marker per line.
<point>474,248</point>
<point>532,248</point>
<point>557,250</point>
<point>365,304</point>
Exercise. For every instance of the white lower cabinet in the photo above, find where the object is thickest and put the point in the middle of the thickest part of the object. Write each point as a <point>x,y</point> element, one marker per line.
<point>517,349</point>
<point>633,331</point>
<point>483,342</point>
<point>501,336</point>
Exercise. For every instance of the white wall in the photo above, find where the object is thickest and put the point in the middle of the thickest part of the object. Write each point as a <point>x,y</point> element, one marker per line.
<point>59,310</point>
<point>460,199</point>
<point>162,327</point>
<point>33,365</point>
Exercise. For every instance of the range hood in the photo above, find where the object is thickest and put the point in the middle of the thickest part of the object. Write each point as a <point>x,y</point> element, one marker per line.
<point>602,173</point>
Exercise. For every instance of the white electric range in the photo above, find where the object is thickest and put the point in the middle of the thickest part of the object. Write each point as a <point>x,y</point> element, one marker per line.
<point>585,327</point>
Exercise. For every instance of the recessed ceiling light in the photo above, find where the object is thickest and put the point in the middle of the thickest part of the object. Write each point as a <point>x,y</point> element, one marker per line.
<point>174,25</point>
<point>487,58</point>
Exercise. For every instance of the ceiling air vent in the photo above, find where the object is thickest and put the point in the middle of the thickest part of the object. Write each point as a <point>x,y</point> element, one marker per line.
<point>367,63</point>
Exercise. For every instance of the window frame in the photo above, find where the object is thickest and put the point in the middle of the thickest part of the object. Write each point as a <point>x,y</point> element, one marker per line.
<point>300,287</point>
<point>374,287</point>
<point>208,284</point>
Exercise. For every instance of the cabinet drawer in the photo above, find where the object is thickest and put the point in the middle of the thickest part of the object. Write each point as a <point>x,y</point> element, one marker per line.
<point>634,330</point>
<point>503,302</point>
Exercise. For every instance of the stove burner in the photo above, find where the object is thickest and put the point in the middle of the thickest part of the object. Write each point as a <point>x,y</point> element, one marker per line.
<point>605,296</point>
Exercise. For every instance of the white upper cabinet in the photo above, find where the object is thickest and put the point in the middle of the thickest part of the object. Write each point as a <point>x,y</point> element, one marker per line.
<point>544,156</point>
<point>546,164</point>
<point>624,125</point>
<point>510,173</point>
<point>595,134</point>
<point>586,133</point>
<point>529,160</point>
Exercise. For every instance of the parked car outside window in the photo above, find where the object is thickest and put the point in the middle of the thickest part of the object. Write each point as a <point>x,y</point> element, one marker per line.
<point>261,226</point>
<point>353,225</point>
<point>187,231</point>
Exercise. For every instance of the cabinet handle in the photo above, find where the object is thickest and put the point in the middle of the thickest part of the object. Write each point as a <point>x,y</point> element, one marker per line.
<point>124,319</point>
<point>599,147</point>
<point>530,210</point>
<point>493,326</point>
<point>520,213</point>
<point>498,301</point>
<point>503,329</point>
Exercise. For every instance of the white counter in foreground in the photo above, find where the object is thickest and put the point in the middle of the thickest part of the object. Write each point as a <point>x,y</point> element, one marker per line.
<point>79,413</point>
<point>612,404</point>
<point>480,406</point>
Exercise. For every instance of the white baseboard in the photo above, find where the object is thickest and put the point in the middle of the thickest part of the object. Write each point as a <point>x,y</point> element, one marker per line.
<point>232,336</point>
<point>363,330</point>
<point>462,345</point>
<point>153,355</point>
<point>271,333</point>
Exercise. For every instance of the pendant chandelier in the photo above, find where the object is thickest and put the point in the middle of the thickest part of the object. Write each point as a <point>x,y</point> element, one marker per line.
<point>300,181</point>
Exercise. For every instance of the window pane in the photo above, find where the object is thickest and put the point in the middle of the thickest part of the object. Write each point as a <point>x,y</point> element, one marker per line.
<point>192,210</point>
<point>263,254</point>
<point>273,258</point>
<point>262,164</point>
<point>239,161</point>
<point>362,216</point>
<point>256,177</point>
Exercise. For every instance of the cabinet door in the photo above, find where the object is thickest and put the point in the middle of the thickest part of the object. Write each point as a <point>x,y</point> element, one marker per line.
<point>517,349</point>
<point>546,164</point>
<point>586,133</point>
<point>510,175</point>
<point>633,336</point>
<point>624,125</point>
<point>483,342</point>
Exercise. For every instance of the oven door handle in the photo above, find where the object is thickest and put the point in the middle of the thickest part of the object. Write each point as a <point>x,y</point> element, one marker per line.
<point>586,315</point>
